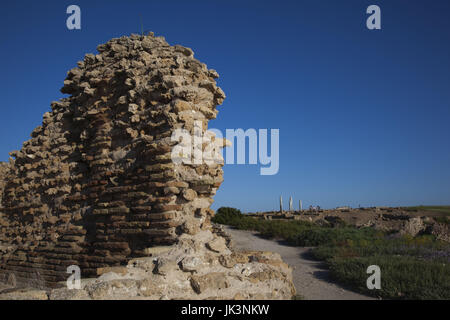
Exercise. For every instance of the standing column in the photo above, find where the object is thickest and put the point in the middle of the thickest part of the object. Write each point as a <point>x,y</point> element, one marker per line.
<point>281,204</point>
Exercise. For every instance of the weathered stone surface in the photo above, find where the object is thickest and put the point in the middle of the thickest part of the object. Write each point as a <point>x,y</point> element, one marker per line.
<point>189,194</point>
<point>214,281</point>
<point>217,245</point>
<point>413,226</point>
<point>157,250</point>
<point>118,270</point>
<point>191,264</point>
<point>229,261</point>
<point>25,294</point>
<point>64,294</point>
<point>441,231</point>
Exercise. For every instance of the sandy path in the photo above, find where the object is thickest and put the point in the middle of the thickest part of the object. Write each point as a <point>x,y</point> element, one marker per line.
<point>311,279</point>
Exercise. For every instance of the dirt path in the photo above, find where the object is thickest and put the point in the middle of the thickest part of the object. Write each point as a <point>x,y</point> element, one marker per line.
<point>311,279</point>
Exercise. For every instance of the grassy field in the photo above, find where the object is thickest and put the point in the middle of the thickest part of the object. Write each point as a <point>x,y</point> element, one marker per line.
<point>438,209</point>
<point>411,268</point>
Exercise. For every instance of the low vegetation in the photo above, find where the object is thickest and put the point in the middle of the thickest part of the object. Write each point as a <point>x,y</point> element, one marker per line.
<point>438,209</point>
<point>411,268</point>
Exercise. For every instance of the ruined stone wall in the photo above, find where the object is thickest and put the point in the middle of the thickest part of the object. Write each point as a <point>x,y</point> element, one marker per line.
<point>4,170</point>
<point>95,185</point>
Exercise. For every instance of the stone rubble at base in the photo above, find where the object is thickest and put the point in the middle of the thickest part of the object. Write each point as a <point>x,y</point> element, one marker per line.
<point>186,270</point>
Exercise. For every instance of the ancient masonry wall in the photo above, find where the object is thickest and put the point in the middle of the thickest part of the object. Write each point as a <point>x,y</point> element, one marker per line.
<point>95,185</point>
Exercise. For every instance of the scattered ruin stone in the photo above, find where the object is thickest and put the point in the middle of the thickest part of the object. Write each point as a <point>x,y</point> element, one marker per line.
<point>413,226</point>
<point>399,220</point>
<point>441,231</point>
<point>96,186</point>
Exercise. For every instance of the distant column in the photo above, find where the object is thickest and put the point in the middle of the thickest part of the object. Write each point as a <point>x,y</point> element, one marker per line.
<point>281,204</point>
<point>300,205</point>
<point>290,204</point>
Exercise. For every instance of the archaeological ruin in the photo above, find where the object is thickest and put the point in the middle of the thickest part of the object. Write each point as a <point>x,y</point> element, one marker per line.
<point>96,185</point>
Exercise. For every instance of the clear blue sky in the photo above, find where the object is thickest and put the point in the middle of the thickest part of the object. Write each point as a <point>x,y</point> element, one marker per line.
<point>363,115</point>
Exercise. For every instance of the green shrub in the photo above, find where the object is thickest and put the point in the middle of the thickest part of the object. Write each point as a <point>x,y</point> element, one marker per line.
<point>443,219</point>
<point>227,215</point>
